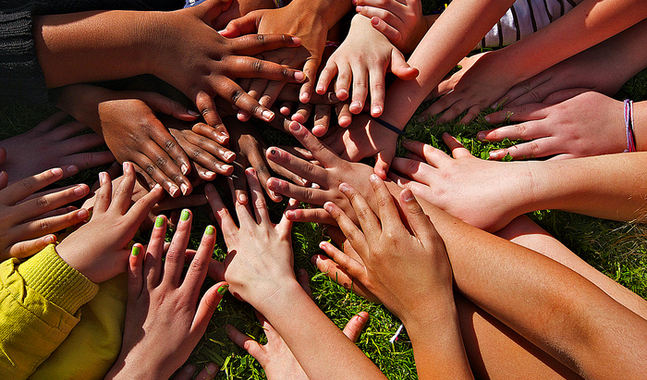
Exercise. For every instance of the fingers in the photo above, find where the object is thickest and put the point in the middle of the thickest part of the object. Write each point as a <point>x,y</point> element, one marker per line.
<point>383,161</point>
<point>295,165</point>
<point>135,271</point>
<point>28,248</point>
<point>387,211</point>
<point>355,325</point>
<point>208,373</point>
<point>518,114</point>
<point>541,147</point>
<point>378,88</point>
<point>40,227</point>
<point>337,274</point>
<point>124,191</point>
<point>360,88</point>
<point>258,199</point>
<point>367,219</point>
<point>416,218</point>
<point>310,71</point>
<point>223,217</point>
<point>322,153</point>
<point>24,188</point>
<point>325,78</point>
<point>433,156</point>
<point>176,254</point>
<point>154,253</point>
<point>345,263</point>
<point>167,106</point>
<point>400,68</point>
<point>355,237</point>
<point>246,343</point>
<point>42,204</point>
<point>310,215</point>
<point>89,160</point>
<point>103,196</point>
<point>51,122</point>
<point>207,306</point>
<point>321,120</point>
<point>458,150</point>
<point>253,44</point>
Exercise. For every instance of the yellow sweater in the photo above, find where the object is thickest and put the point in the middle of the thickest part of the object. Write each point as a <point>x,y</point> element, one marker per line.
<point>55,323</point>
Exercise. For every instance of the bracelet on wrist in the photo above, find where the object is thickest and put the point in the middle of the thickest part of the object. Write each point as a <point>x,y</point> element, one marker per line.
<point>389,126</point>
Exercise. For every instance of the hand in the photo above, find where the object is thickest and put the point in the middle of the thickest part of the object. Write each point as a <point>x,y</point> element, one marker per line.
<point>208,373</point>
<point>165,317</point>
<point>57,144</point>
<point>200,62</point>
<point>98,248</point>
<point>139,191</point>
<point>28,220</point>
<point>332,172</point>
<point>308,26</point>
<point>485,194</point>
<point>364,138</point>
<point>479,83</point>
<point>252,277</point>
<point>364,56</point>
<point>134,133</point>
<point>402,22</point>
<point>275,356</point>
<point>587,124</point>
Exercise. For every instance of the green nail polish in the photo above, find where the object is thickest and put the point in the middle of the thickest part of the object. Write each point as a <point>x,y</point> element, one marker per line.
<point>184,216</point>
<point>209,230</point>
<point>223,289</point>
<point>159,222</point>
<point>136,250</point>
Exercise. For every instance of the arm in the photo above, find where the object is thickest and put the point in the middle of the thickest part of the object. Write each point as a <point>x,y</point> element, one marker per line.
<point>268,283</point>
<point>508,281</point>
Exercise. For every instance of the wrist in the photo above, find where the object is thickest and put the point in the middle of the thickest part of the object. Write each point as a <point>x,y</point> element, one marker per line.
<point>277,296</point>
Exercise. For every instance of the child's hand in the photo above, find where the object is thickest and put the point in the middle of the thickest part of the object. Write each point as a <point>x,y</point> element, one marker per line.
<point>28,220</point>
<point>365,137</point>
<point>466,187</point>
<point>402,22</point>
<point>275,356</point>
<point>587,124</point>
<point>402,262</point>
<point>165,317</point>
<point>309,27</point>
<point>197,60</point>
<point>57,144</point>
<point>254,277</point>
<point>364,57</point>
<point>98,248</point>
<point>479,83</point>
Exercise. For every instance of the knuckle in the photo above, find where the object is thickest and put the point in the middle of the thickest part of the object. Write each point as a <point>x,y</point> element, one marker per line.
<point>161,161</point>
<point>169,145</point>
<point>536,96</point>
<point>150,169</point>
<point>257,65</point>
<point>42,203</point>
<point>236,95</point>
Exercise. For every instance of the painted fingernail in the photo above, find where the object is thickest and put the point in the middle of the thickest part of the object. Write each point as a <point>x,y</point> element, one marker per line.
<point>268,115</point>
<point>209,230</point>
<point>184,168</point>
<point>193,113</point>
<point>184,216</point>
<point>185,189</point>
<point>136,250</point>
<point>224,167</point>
<point>223,289</point>
<point>159,222</point>
<point>79,191</point>
<point>480,135</point>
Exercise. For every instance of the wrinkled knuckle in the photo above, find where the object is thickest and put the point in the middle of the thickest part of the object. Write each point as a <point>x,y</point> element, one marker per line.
<point>161,161</point>
<point>260,38</point>
<point>534,148</point>
<point>257,65</point>
<point>169,144</point>
<point>44,225</point>
<point>150,169</point>
<point>536,96</point>
<point>42,203</point>
<point>236,95</point>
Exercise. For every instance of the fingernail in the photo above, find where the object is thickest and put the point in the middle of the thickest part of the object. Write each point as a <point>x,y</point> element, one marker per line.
<point>328,207</point>
<point>487,118</point>
<point>407,195</point>
<point>193,113</point>
<point>295,127</point>
<point>188,369</point>
<point>268,115</point>
<point>494,153</point>
<point>223,289</point>
<point>72,169</point>
<point>273,183</point>
<point>322,244</point>
<point>377,110</point>
<point>184,216</point>
<point>373,178</point>
<point>209,230</point>
<point>359,317</point>
<point>290,214</point>
<point>242,198</point>
<point>185,189</point>
<point>50,239</point>
<point>83,214</point>
<point>173,190</point>
<point>56,171</point>
<point>136,250</point>
<point>355,105</point>
<point>343,187</point>
<point>212,369</point>
<point>480,135</point>
<point>304,97</point>
<point>299,76</point>
<point>296,40</point>
<point>210,174</point>
<point>159,222</point>
<point>79,191</point>
<point>229,156</point>
<point>494,106</point>
<point>320,90</point>
<point>184,168</point>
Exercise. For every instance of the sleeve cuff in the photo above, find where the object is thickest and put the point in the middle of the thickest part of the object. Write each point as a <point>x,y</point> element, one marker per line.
<point>56,281</point>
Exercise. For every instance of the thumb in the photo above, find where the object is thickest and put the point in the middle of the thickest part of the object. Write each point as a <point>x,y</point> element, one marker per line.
<point>382,164</point>
<point>243,25</point>
<point>160,103</point>
<point>400,67</point>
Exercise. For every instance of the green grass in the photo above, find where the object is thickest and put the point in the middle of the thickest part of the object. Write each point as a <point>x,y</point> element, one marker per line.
<point>616,249</point>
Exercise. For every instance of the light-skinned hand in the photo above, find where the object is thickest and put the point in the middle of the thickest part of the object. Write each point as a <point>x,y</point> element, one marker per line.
<point>98,249</point>
<point>570,123</point>
<point>165,316</point>
<point>464,186</point>
<point>29,219</point>
<point>363,59</point>
<point>253,277</point>
<point>404,266</point>
<point>402,22</point>
<point>58,145</point>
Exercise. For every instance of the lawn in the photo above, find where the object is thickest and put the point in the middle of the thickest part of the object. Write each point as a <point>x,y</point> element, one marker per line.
<point>617,249</point>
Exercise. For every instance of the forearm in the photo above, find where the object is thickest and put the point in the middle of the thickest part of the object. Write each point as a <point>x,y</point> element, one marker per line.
<point>588,24</point>
<point>319,346</point>
<point>93,46</point>
<point>454,34</point>
<point>550,305</point>
<point>82,101</point>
